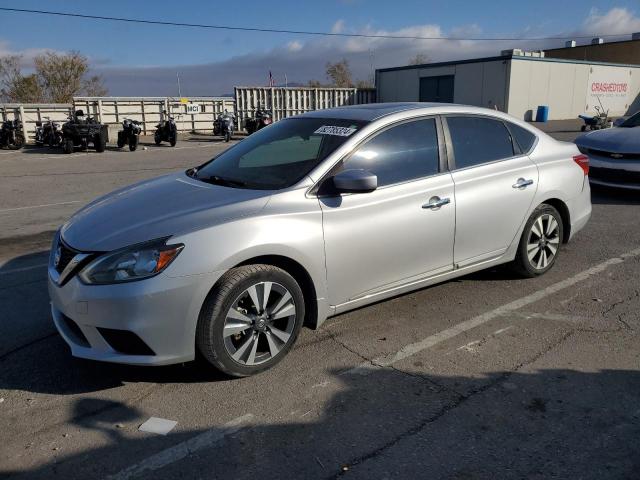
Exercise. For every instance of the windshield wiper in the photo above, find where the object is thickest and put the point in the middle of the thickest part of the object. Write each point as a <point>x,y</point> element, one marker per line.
<point>217,180</point>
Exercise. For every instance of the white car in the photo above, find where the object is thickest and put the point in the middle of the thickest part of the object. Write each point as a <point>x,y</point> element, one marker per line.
<point>307,218</point>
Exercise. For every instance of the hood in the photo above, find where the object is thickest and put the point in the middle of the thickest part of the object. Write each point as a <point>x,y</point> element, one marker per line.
<point>168,205</point>
<point>615,140</point>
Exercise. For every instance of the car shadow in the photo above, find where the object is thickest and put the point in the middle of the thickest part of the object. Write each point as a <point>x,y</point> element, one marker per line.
<point>559,423</point>
<point>612,196</point>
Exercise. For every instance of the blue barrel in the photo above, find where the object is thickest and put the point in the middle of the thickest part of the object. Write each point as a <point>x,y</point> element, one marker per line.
<point>542,115</point>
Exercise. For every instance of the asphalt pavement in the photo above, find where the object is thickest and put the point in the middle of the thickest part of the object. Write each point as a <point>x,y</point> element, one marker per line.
<point>488,376</point>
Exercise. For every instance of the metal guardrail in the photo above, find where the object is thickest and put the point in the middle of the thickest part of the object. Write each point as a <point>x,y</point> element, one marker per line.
<point>284,102</point>
<point>192,114</point>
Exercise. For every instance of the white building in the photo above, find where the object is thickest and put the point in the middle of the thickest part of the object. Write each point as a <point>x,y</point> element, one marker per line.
<point>517,83</point>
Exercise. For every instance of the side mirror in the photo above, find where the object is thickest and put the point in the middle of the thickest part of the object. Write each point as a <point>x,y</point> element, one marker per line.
<point>355,181</point>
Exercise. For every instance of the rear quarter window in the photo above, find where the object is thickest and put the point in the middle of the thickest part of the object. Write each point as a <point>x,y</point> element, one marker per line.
<point>523,137</point>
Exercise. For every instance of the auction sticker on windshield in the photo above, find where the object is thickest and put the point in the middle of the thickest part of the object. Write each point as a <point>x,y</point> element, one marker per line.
<point>333,130</point>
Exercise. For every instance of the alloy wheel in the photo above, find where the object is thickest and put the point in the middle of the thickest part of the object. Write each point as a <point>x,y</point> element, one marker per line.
<point>259,323</point>
<point>543,241</point>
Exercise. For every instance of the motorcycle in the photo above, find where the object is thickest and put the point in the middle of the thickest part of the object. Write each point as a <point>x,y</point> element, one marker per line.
<point>224,125</point>
<point>48,133</point>
<point>261,119</point>
<point>12,135</point>
<point>80,131</point>
<point>130,134</point>
<point>166,130</point>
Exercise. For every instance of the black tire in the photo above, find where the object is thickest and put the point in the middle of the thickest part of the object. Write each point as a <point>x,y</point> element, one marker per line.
<point>533,267</point>
<point>227,136</point>
<point>583,128</point>
<point>19,142</point>
<point>121,141</point>
<point>173,139</point>
<point>157,138</point>
<point>133,143</point>
<point>67,145</point>
<point>54,140</point>
<point>99,143</point>
<point>210,341</point>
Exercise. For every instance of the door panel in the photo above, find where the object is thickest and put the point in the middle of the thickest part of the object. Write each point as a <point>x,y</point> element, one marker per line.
<point>376,239</point>
<point>489,210</point>
<point>437,89</point>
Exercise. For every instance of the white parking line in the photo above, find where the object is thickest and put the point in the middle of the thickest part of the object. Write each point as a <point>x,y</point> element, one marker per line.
<point>39,206</point>
<point>413,348</point>
<point>182,449</point>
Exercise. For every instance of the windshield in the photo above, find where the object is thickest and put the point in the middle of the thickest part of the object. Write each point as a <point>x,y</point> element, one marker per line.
<point>280,155</point>
<point>632,121</point>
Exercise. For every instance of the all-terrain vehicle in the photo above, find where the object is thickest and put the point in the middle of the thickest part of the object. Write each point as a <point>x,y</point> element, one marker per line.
<point>80,131</point>
<point>130,134</point>
<point>166,130</point>
<point>12,134</point>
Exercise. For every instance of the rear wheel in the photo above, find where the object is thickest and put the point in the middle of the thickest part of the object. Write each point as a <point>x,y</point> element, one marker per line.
<point>99,143</point>
<point>19,142</point>
<point>67,145</point>
<point>540,242</point>
<point>133,143</point>
<point>250,320</point>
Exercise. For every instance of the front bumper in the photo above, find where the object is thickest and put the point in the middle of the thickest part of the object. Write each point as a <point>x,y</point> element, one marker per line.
<point>609,172</point>
<point>162,312</point>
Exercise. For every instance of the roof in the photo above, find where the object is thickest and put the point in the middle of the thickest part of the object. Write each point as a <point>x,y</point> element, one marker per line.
<point>594,45</point>
<point>504,58</point>
<point>369,111</point>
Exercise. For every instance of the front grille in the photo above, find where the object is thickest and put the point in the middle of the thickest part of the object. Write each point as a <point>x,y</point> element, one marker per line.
<point>613,155</point>
<point>66,255</point>
<point>614,175</point>
<point>124,341</point>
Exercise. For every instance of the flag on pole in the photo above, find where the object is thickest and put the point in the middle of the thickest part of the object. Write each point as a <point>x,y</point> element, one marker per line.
<point>271,83</point>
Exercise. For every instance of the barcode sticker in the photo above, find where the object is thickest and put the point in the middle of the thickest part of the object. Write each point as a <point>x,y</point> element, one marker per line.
<point>332,130</point>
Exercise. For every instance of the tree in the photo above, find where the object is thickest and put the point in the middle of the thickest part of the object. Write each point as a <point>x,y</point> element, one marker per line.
<point>339,73</point>
<point>419,59</point>
<point>57,79</point>
<point>27,90</point>
<point>364,84</point>
<point>94,87</point>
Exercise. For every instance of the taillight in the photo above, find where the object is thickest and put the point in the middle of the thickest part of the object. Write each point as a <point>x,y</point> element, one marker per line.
<point>583,162</point>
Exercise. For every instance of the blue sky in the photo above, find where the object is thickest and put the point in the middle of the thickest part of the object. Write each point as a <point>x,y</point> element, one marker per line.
<point>139,59</point>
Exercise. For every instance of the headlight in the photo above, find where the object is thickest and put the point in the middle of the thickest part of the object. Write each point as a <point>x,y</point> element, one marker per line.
<point>132,263</point>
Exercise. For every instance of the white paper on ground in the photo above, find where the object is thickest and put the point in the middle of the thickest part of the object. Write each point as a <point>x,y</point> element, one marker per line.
<point>157,425</point>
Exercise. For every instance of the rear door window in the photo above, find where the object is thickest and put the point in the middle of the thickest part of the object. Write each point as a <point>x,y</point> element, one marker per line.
<point>478,140</point>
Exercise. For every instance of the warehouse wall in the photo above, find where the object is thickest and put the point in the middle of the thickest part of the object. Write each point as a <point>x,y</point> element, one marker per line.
<point>482,84</point>
<point>564,86</point>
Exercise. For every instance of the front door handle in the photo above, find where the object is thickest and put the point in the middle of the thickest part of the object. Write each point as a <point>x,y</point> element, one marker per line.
<point>521,183</point>
<point>436,202</point>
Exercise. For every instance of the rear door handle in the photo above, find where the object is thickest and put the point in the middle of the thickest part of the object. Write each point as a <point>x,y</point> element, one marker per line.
<point>521,183</point>
<point>436,202</point>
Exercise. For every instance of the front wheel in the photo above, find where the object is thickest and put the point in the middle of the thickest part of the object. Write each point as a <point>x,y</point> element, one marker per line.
<point>157,138</point>
<point>67,145</point>
<point>173,139</point>
<point>583,128</point>
<point>250,320</point>
<point>227,136</point>
<point>18,142</point>
<point>540,242</point>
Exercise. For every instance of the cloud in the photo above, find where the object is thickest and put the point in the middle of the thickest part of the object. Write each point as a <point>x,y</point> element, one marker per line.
<point>294,46</point>
<point>616,21</point>
<point>338,27</point>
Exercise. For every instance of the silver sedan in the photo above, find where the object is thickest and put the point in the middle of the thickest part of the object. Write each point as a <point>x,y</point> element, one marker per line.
<point>614,154</point>
<point>308,218</point>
